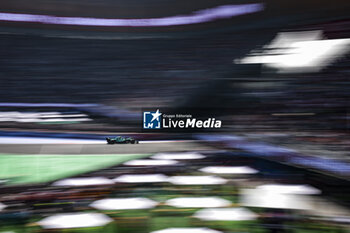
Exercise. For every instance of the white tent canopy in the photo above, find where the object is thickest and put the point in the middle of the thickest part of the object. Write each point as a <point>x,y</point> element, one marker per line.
<point>229,170</point>
<point>198,202</point>
<point>197,180</point>
<point>178,156</point>
<point>290,189</point>
<point>85,181</point>
<point>187,230</point>
<point>74,220</point>
<point>271,199</point>
<point>225,214</point>
<point>142,178</point>
<point>124,203</point>
<point>150,162</point>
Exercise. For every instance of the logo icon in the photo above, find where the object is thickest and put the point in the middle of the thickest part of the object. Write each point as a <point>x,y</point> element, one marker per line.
<point>151,120</point>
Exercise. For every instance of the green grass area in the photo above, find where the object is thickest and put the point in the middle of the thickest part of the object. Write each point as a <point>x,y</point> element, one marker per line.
<point>20,169</point>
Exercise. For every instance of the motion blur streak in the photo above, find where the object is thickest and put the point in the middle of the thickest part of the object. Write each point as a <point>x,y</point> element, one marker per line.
<point>32,140</point>
<point>299,52</point>
<point>46,105</point>
<point>207,15</point>
<point>79,80</point>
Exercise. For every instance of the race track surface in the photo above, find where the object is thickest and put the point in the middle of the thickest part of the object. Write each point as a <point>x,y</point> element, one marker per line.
<point>142,148</point>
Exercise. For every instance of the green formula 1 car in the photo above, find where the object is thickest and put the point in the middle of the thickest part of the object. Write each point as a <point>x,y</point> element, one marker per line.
<point>121,140</point>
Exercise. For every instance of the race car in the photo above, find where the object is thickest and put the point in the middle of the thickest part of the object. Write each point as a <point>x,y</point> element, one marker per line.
<point>121,140</point>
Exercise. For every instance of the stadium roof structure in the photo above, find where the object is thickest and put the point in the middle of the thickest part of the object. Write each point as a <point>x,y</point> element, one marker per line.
<point>175,16</point>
